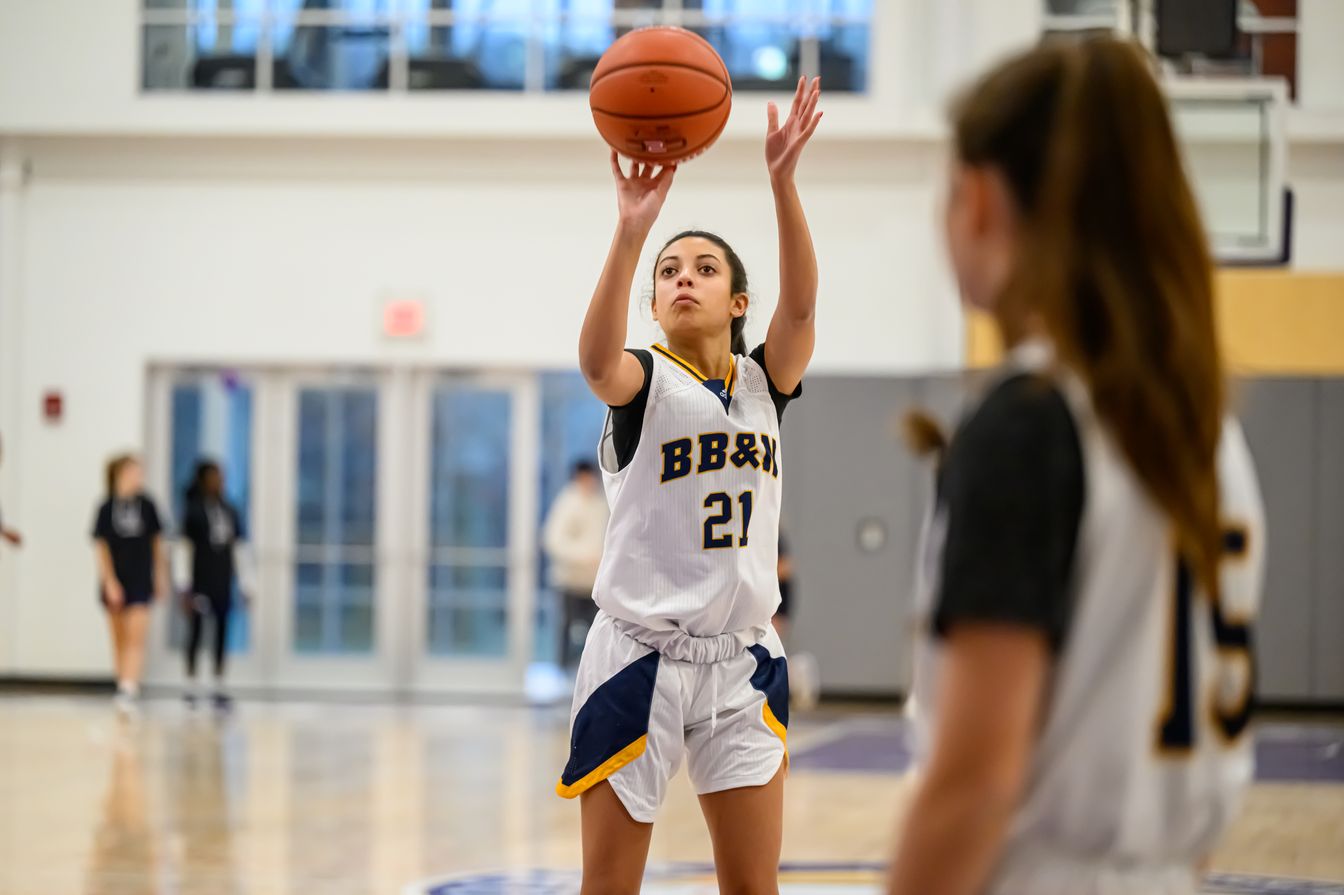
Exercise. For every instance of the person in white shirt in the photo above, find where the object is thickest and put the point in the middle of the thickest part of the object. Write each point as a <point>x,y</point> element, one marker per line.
<point>572,537</point>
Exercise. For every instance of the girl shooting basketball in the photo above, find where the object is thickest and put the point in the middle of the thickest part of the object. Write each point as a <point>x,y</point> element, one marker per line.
<point>682,658</point>
<point>1095,557</point>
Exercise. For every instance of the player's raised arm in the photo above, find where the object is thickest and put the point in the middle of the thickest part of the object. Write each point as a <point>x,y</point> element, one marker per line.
<point>792,334</point>
<point>615,376</point>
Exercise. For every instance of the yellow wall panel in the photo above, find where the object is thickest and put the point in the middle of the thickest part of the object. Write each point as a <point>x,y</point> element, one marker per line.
<point>1272,323</point>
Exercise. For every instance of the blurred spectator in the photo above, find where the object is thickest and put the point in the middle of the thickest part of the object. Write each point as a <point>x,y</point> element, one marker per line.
<point>572,538</point>
<point>132,570</point>
<point>212,527</point>
<point>781,617</point>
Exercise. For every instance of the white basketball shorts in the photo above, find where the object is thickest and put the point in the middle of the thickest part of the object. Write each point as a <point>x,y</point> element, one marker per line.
<point>722,701</point>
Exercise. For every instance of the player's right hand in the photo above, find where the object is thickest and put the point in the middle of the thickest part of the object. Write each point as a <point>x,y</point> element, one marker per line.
<point>640,195</point>
<point>114,594</point>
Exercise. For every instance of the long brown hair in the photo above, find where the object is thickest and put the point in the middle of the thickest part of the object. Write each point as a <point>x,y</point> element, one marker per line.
<point>1114,260</point>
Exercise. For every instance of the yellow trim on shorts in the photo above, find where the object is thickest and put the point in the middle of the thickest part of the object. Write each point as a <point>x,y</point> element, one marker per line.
<point>604,770</point>
<point>773,723</point>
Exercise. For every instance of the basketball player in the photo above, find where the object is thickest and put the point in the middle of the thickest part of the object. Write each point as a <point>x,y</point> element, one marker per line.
<point>682,658</point>
<point>1094,560</point>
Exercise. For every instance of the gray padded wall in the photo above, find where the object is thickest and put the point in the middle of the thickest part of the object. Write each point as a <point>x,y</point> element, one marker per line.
<point>847,463</point>
<point>1279,416</point>
<point>1328,614</point>
<point>846,468</point>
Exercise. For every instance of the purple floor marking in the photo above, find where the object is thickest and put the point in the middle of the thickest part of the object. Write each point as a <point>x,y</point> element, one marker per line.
<point>1283,753</point>
<point>863,750</point>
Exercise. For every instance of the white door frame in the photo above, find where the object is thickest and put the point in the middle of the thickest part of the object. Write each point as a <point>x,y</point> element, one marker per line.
<point>400,661</point>
<point>428,673</point>
<point>164,665</point>
<point>376,670</point>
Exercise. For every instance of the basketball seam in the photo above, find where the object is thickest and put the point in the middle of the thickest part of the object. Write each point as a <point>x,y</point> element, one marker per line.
<point>725,80</point>
<point>664,116</point>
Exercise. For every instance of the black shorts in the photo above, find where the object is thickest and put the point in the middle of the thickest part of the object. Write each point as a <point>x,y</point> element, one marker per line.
<point>132,599</point>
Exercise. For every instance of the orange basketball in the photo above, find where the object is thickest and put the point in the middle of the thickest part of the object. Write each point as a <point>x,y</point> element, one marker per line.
<point>660,95</point>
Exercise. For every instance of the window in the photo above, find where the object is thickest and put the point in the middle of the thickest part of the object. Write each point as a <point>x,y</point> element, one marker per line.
<point>510,45</point>
<point>335,516</point>
<point>469,520</point>
<point>211,419</point>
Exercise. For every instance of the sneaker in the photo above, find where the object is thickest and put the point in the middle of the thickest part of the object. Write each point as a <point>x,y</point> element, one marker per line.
<point>223,702</point>
<point>127,705</point>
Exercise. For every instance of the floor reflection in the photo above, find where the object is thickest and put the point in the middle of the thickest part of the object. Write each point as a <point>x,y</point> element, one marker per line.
<point>281,799</point>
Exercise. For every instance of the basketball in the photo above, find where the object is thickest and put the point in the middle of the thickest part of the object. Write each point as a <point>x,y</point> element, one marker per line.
<point>660,95</point>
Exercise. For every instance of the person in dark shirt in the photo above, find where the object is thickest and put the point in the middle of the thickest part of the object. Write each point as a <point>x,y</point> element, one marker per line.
<point>132,569</point>
<point>213,528</point>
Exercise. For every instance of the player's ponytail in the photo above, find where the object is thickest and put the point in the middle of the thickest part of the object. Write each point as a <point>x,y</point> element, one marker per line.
<point>739,340</point>
<point>1114,261</point>
<point>737,280</point>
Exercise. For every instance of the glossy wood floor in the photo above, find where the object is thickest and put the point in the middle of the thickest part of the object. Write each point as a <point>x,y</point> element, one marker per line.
<point>322,798</point>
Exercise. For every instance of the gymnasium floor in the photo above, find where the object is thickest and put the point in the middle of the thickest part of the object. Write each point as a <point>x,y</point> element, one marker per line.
<point>336,798</point>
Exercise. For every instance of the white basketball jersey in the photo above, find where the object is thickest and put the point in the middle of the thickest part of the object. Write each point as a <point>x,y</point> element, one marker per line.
<point>693,540</point>
<point>1143,751</point>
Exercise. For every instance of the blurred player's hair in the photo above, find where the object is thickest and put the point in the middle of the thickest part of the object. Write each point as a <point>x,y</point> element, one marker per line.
<point>1114,260</point>
<point>114,468</point>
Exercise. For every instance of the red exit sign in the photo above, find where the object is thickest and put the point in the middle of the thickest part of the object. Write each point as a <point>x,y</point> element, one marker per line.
<point>403,318</point>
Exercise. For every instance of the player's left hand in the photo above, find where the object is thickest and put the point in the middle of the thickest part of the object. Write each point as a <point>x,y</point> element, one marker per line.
<point>784,143</point>
<point>13,537</point>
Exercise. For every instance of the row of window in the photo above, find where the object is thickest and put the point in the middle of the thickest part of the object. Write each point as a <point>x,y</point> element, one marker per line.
<point>482,45</point>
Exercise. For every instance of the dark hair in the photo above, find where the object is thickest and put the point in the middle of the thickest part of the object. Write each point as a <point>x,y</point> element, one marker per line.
<point>583,467</point>
<point>1114,260</point>
<point>114,468</point>
<point>196,488</point>
<point>738,280</point>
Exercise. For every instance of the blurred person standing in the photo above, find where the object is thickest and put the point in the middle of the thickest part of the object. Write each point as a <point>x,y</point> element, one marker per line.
<point>804,673</point>
<point>132,570</point>
<point>572,537</point>
<point>782,615</point>
<point>8,535</point>
<point>213,529</point>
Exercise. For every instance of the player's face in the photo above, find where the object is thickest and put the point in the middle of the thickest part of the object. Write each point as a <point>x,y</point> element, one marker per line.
<point>692,289</point>
<point>130,479</point>
<point>979,229</point>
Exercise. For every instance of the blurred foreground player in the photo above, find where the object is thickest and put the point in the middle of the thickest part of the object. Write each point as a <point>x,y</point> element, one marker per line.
<point>1094,561</point>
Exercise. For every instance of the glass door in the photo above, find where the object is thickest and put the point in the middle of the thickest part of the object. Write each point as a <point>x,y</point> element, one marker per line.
<point>338,605</point>
<point>196,416</point>
<point>475,594</point>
